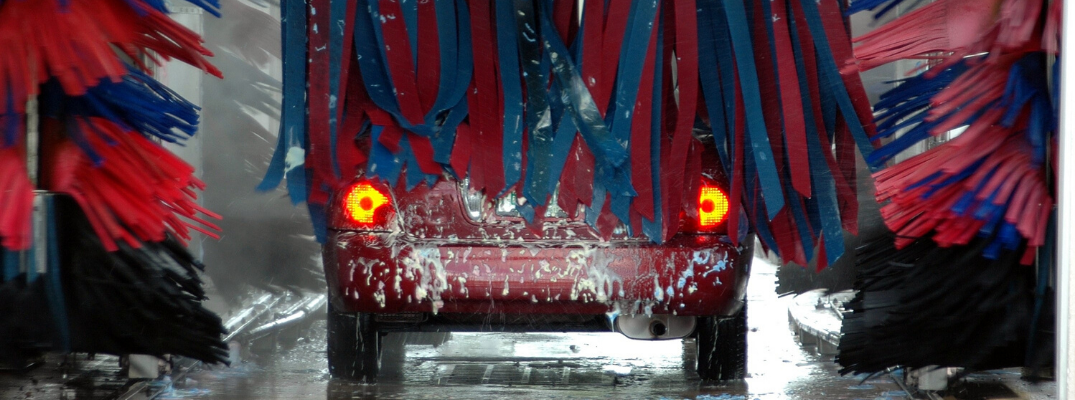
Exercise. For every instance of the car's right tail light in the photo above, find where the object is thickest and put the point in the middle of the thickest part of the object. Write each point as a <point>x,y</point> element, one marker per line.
<point>712,207</point>
<point>712,212</point>
<point>363,205</point>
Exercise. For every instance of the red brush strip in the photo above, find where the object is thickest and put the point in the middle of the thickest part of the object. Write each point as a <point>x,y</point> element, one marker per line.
<point>686,52</point>
<point>791,101</point>
<point>1016,23</point>
<point>592,44</point>
<point>839,41</point>
<point>460,158</point>
<point>428,79</point>
<point>641,125</point>
<point>846,183</point>
<point>1007,174</point>
<point>955,27</point>
<point>565,12</point>
<point>318,151</point>
<point>398,52</point>
<point>1051,33</point>
<point>735,200</point>
<point>484,99</point>
<point>137,192</point>
<point>356,104</point>
<point>16,194</point>
<point>423,151</point>
<point>74,43</point>
<point>611,44</point>
<point>693,183</point>
<point>810,60</point>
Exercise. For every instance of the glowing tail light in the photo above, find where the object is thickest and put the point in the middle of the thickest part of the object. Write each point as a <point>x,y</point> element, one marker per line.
<point>712,207</point>
<point>362,203</point>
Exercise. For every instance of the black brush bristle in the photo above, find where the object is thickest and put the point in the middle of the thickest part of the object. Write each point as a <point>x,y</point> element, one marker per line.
<point>924,305</point>
<point>142,300</point>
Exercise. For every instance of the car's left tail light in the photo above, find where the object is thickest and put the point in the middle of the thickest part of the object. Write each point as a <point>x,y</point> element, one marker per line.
<point>365,205</point>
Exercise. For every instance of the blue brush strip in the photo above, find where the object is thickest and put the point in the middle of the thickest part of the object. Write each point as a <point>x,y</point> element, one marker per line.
<point>9,123</point>
<point>79,138</point>
<point>585,114</point>
<point>759,139</point>
<point>621,111</point>
<point>1028,86</point>
<point>565,126</point>
<point>954,179</point>
<point>371,59</point>
<point>755,205</point>
<point>822,208</point>
<point>410,20</point>
<point>711,87</point>
<point>456,59</point>
<point>318,218</point>
<point>991,225</point>
<point>456,69</point>
<point>510,83</point>
<point>382,163</point>
<point>11,264</point>
<point>444,138</point>
<point>289,157</point>
<point>539,120</point>
<point>415,176</point>
<point>812,209</point>
<point>827,67</point>
<point>986,209</point>
<point>629,74</point>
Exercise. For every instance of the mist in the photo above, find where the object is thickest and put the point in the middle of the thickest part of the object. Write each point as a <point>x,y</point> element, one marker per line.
<point>267,242</point>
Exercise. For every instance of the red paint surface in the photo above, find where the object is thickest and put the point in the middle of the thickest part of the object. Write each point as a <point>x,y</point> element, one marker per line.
<point>363,270</point>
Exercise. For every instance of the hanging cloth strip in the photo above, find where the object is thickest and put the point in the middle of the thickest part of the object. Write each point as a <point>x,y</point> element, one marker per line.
<point>486,120</point>
<point>290,154</point>
<point>589,107</point>
<point>684,23</point>
<point>748,79</point>
<point>616,180</point>
<point>387,63</point>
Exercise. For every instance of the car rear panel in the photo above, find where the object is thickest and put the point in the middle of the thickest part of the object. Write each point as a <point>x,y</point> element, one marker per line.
<point>389,273</point>
<point>440,213</point>
<point>447,250</point>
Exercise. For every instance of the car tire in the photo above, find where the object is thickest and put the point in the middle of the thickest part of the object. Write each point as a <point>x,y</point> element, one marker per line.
<point>722,347</point>
<point>354,346</point>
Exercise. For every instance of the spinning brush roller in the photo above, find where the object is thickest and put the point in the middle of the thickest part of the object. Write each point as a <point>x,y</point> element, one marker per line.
<point>92,134</point>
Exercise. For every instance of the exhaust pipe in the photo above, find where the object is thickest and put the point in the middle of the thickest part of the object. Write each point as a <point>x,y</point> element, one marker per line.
<point>655,327</point>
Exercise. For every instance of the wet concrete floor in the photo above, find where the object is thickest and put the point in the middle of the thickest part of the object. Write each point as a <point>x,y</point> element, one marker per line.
<point>550,366</point>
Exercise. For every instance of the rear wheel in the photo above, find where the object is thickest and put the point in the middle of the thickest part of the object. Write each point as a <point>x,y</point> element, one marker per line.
<point>354,346</point>
<point>722,347</point>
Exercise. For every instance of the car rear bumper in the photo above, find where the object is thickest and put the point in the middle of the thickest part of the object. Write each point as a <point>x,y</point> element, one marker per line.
<point>690,275</point>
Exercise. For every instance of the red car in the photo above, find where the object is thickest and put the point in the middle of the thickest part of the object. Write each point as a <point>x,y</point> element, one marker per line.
<point>446,259</point>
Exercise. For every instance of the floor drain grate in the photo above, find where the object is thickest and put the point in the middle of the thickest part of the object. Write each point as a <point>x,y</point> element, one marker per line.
<point>514,374</point>
<point>467,374</point>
